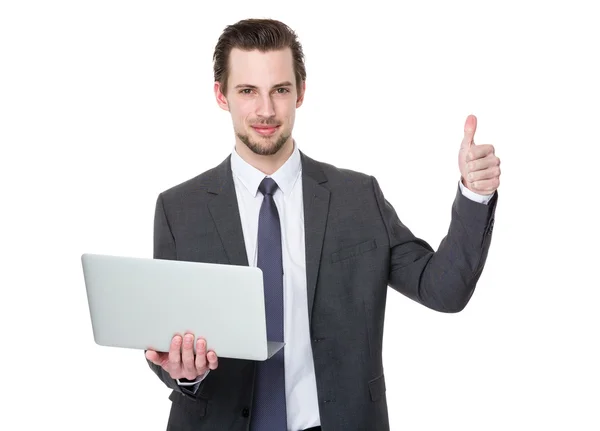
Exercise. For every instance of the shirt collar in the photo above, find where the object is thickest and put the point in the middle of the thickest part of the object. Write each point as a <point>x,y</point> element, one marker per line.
<point>285,177</point>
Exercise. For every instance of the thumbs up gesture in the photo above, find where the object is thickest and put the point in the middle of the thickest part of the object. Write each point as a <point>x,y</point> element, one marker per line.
<point>479,167</point>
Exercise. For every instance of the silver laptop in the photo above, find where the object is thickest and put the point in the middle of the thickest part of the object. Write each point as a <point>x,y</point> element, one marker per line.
<point>141,303</point>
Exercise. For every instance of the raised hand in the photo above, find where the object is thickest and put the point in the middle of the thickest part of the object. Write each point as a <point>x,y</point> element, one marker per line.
<point>479,167</point>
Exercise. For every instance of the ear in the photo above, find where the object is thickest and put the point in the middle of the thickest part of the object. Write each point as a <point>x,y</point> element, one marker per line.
<point>221,99</point>
<point>300,99</point>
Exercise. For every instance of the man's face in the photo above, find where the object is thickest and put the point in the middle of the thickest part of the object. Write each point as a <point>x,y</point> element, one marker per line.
<point>262,98</point>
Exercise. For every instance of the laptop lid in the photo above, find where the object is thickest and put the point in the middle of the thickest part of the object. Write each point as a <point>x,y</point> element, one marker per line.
<point>141,303</point>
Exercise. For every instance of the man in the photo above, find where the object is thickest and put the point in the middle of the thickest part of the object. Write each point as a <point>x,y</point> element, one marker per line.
<point>328,243</point>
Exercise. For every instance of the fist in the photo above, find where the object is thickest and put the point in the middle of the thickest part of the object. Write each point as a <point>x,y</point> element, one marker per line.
<point>479,167</point>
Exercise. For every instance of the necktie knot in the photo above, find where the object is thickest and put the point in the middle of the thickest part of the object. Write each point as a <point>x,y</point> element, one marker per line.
<point>268,186</point>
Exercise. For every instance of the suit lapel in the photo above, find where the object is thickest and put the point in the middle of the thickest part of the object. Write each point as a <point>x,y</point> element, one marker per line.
<point>225,213</point>
<point>316,209</point>
<point>226,216</point>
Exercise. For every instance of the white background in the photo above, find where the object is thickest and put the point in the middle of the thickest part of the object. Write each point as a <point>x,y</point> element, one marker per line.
<point>105,104</point>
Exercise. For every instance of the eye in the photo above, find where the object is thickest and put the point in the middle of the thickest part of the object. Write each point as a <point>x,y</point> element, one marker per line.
<point>245,91</point>
<point>282,90</point>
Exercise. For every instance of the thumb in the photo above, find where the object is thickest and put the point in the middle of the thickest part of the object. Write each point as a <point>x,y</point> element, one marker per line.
<point>470,128</point>
<point>155,357</point>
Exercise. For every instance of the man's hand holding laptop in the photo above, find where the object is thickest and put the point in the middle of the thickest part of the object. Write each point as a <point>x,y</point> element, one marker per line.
<point>180,361</point>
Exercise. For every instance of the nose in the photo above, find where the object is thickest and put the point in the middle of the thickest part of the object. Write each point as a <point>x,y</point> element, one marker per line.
<point>265,107</point>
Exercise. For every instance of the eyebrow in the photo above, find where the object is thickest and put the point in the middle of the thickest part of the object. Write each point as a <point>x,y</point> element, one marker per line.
<point>280,85</point>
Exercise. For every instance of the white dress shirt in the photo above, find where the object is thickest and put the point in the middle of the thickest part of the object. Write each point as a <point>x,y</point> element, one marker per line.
<point>300,380</point>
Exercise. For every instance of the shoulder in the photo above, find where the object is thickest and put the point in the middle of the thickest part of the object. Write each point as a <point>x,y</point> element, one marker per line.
<point>198,187</point>
<point>338,176</point>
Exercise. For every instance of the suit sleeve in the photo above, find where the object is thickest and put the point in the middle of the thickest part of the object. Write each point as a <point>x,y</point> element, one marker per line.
<point>164,248</point>
<point>443,280</point>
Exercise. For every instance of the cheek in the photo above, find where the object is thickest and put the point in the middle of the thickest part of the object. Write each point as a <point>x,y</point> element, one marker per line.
<point>239,113</point>
<point>286,111</point>
<point>291,116</point>
<point>245,110</point>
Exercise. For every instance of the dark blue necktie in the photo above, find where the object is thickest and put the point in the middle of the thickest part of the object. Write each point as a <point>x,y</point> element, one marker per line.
<point>269,409</point>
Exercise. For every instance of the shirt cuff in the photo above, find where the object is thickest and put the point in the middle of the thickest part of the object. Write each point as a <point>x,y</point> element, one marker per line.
<point>482,199</point>
<point>186,382</point>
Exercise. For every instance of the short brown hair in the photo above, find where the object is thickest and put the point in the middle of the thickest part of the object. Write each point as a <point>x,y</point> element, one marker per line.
<point>262,34</point>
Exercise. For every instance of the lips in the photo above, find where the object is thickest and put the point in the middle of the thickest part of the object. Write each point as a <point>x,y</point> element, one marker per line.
<point>265,130</point>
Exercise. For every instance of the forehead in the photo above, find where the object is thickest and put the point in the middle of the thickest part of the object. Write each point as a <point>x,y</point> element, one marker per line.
<point>261,69</point>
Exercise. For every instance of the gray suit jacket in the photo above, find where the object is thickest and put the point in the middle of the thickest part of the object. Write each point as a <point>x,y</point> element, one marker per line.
<point>355,247</point>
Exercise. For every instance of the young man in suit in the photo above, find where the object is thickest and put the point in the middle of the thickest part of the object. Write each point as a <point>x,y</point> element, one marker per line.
<point>329,245</point>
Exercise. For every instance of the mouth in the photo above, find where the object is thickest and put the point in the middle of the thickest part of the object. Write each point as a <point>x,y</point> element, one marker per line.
<point>265,130</point>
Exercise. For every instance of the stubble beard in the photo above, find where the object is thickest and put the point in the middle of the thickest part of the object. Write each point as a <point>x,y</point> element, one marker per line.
<point>264,149</point>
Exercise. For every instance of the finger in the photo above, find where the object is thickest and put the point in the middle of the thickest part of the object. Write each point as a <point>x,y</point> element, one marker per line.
<point>175,353</point>
<point>470,128</point>
<point>486,186</point>
<point>485,174</point>
<point>187,356</point>
<point>201,356</point>
<point>479,151</point>
<point>213,360</point>
<point>157,358</point>
<point>481,164</point>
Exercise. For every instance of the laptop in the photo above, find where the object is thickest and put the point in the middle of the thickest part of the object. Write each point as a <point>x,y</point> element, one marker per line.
<point>141,303</point>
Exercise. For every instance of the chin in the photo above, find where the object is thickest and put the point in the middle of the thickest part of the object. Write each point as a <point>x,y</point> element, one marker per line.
<point>264,145</point>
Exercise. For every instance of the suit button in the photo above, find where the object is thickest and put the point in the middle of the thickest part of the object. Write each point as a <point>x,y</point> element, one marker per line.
<point>246,412</point>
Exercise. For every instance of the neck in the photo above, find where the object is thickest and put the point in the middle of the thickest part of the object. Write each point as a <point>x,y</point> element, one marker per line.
<point>266,164</point>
